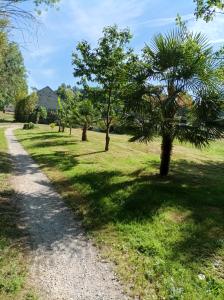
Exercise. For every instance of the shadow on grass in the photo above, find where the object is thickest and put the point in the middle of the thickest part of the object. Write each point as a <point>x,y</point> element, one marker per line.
<point>120,198</point>
<point>4,162</point>
<point>48,139</point>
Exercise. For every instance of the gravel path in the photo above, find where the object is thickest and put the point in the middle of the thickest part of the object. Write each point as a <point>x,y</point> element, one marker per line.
<point>64,263</point>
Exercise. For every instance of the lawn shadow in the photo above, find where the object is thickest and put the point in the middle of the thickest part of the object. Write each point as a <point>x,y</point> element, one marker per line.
<point>60,159</point>
<point>132,198</point>
<point>5,162</point>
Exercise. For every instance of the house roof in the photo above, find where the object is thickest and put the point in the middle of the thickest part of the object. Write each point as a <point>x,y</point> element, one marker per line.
<point>48,98</point>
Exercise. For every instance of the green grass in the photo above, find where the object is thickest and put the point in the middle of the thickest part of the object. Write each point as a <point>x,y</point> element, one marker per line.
<point>162,234</point>
<point>6,117</point>
<point>12,261</point>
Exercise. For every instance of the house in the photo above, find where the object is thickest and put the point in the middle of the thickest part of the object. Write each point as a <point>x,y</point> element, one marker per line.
<point>48,98</point>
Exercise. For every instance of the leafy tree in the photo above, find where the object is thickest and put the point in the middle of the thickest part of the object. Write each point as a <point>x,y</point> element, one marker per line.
<point>12,70</point>
<point>41,112</point>
<point>66,104</point>
<point>85,115</point>
<point>206,9</point>
<point>61,116</point>
<point>187,99</point>
<point>105,66</point>
<point>25,107</point>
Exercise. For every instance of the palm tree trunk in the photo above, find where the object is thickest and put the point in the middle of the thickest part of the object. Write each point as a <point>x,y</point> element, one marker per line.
<point>107,138</point>
<point>84,133</point>
<point>166,151</point>
<point>38,119</point>
<point>70,128</point>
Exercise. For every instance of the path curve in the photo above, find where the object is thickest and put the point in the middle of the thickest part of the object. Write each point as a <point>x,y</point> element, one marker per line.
<point>64,263</point>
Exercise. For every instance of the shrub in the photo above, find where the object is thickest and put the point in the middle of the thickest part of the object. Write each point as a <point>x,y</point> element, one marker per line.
<point>25,108</point>
<point>52,125</point>
<point>29,125</point>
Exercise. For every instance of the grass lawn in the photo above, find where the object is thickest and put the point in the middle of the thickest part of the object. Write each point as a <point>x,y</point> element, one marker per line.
<point>166,236</point>
<point>12,263</point>
<point>7,117</point>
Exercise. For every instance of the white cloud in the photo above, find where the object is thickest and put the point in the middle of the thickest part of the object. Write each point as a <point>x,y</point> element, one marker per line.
<point>42,51</point>
<point>86,21</point>
<point>158,22</point>
<point>213,30</point>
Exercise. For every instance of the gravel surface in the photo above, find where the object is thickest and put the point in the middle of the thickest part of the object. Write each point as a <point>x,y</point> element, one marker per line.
<point>64,263</point>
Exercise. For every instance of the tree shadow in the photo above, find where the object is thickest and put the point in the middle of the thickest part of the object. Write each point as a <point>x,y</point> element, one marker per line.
<point>4,162</point>
<point>89,153</point>
<point>63,160</point>
<point>112,196</point>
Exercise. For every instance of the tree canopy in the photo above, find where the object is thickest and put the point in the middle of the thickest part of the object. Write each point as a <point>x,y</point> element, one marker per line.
<point>105,66</point>
<point>12,70</point>
<point>206,9</point>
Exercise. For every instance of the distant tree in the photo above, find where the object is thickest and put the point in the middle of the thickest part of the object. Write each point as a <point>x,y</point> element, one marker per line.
<point>41,112</point>
<point>187,100</point>
<point>106,66</point>
<point>25,107</point>
<point>206,9</point>
<point>85,115</point>
<point>61,114</point>
<point>66,105</point>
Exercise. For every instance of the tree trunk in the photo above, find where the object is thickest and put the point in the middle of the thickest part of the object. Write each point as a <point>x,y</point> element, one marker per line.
<point>84,133</point>
<point>107,138</point>
<point>59,126</point>
<point>63,128</point>
<point>166,151</point>
<point>70,129</point>
<point>38,119</point>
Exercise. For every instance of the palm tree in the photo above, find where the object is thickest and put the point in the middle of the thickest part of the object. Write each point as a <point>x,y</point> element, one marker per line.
<point>184,101</point>
<point>85,115</point>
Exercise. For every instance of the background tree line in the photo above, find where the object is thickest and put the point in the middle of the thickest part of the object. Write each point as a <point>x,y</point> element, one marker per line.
<point>173,89</point>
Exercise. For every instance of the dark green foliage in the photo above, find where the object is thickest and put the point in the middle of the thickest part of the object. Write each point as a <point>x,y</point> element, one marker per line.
<point>41,113</point>
<point>28,126</point>
<point>25,108</point>
<point>85,115</point>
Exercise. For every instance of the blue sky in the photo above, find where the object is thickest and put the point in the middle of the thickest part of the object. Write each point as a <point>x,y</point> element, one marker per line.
<point>47,46</point>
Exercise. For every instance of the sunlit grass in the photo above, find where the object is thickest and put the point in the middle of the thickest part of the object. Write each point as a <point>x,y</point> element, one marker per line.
<point>166,236</point>
<point>6,117</point>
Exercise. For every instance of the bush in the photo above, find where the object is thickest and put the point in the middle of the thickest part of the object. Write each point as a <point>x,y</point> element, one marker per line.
<point>25,107</point>
<point>52,125</point>
<point>29,125</point>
